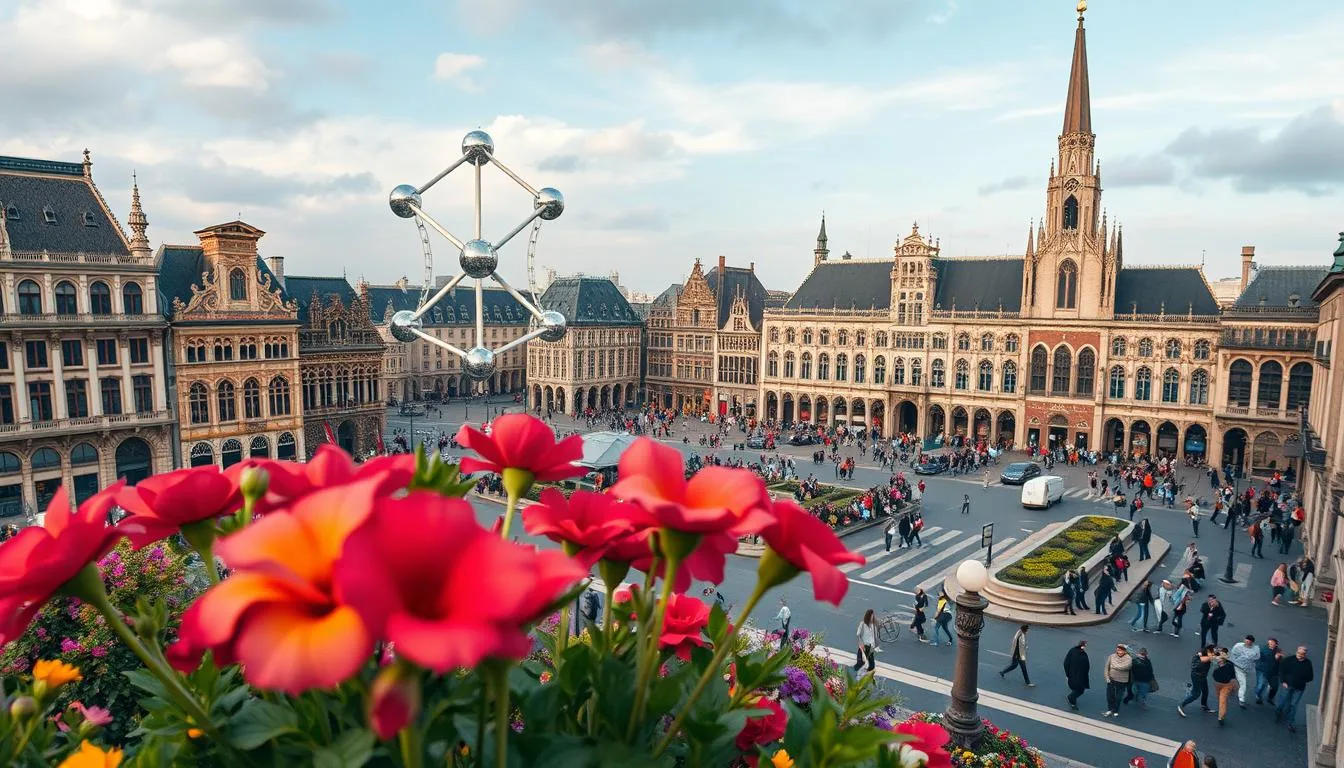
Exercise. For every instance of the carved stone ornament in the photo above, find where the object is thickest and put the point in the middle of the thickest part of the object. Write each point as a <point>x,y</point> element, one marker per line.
<point>970,623</point>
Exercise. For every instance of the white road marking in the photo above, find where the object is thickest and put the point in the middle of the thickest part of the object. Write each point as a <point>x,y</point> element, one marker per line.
<point>937,581</point>
<point>909,556</point>
<point>881,586</point>
<point>973,541</point>
<point>851,567</point>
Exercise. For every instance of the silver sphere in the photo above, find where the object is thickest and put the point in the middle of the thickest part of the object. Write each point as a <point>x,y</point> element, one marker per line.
<point>550,202</point>
<point>478,147</point>
<point>404,324</point>
<point>553,324</point>
<point>402,198</point>
<point>478,259</point>
<point>479,363</point>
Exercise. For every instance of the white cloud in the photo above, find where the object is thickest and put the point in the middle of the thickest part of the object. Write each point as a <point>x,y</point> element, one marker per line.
<point>454,67</point>
<point>217,63</point>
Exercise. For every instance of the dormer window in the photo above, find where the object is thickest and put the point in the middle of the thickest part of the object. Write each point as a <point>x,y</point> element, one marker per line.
<point>48,215</point>
<point>12,213</point>
<point>89,220</point>
<point>1294,300</point>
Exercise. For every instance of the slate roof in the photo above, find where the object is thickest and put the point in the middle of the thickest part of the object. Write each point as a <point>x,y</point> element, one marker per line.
<point>304,288</point>
<point>1276,284</point>
<point>589,301</point>
<point>82,225</point>
<point>726,286</point>
<point>667,300</point>
<point>776,299</point>
<point>456,308</point>
<point>845,285</point>
<point>1174,290</point>
<point>982,285</point>
<point>180,267</point>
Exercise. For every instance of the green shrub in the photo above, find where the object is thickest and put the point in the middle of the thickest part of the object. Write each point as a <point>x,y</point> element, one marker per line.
<point>1080,547</point>
<point>1057,556</point>
<point>1068,550</point>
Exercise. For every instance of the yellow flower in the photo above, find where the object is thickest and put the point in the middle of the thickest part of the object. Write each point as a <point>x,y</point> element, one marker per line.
<point>195,733</point>
<point>90,756</point>
<point>55,673</point>
<point>781,759</point>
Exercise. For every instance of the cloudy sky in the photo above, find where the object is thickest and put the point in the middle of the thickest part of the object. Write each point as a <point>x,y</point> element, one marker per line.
<point>680,129</point>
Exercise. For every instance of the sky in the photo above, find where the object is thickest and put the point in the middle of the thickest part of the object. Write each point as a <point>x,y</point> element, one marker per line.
<point>684,129</point>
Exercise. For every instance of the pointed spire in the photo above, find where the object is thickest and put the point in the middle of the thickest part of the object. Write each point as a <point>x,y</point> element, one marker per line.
<point>821,235</point>
<point>1119,245</point>
<point>138,221</point>
<point>1103,231</point>
<point>1078,106</point>
<point>1031,239</point>
<point>822,251</point>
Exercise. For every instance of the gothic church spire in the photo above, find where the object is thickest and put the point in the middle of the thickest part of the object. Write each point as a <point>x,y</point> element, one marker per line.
<point>139,223</point>
<point>1078,106</point>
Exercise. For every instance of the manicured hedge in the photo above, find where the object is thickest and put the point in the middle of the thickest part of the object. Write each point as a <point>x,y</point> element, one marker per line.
<point>1044,566</point>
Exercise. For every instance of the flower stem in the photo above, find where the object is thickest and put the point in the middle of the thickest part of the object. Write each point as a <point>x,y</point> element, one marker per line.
<point>508,517</point>
<point>412,756</point>
<point>713,669</point>
<point>562,635</point>
<point>502,717</point>
<point>607,633</point>
<point>648,658</point>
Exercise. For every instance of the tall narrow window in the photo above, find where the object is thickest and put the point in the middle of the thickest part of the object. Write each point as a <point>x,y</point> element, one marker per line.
<point>238,285</point>
<point>199,404</point>
<point>1009,377</point>
<point>1143,384</point>
<point>986,379</point>
<point>67,303</point>
<point>251,399</point>
<point>1199,388</point>
<point>1039,362</point>
<point>1059,382</point>
<point>1117,382</point>
<point>100,298</point>
<point>132,299</point>
<point>1087,367</point>
<point>1239,383</point>
<point>228,403</point>
<point>1071,212</point>
<point>1066,288</point>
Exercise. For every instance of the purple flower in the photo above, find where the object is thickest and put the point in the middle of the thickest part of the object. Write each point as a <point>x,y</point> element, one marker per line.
<point>41,633</point>
<point>797,686</point>
<point>881,723</point>
<point>98,651</point>
<point>68,645</point>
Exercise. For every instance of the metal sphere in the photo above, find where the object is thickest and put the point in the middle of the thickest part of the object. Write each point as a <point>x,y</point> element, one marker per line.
<point>478,259</point>
<point>551,203</point>
<point>479,363</point>
<point>478,147</point>
<point>402,198</point>
<point>554,324</point>
<point>404,325</point>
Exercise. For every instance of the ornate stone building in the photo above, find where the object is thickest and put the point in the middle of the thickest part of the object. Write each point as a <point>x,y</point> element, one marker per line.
<point>235,351</point>
<point>427,370</point>
<point>705,340</point>
<point>596,364</point>
<point>341,356</point>
<point>82,380</point>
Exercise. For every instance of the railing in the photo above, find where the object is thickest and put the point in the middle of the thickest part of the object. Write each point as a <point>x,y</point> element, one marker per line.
<point>973,314</point>
<point>80,258</point>
<point>1237,410</point>
<point>80,423</point>
<point>1297,313</point>
<point>1239,340</point>
<point>832,312</point>
<point>1164,317</point>
<point>320,410</point>
<point>82,318</point>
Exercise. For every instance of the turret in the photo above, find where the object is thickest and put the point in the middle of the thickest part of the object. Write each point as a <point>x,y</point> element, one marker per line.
<point>821,251</point>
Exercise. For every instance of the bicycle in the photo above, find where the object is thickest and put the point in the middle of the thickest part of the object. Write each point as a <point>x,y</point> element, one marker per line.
<point>890,623</point>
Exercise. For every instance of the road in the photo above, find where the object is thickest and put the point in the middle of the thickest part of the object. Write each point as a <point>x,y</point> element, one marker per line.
<point>1039,714</point>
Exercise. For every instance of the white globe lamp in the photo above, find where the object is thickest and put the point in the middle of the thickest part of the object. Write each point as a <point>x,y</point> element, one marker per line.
<point>972,576</point>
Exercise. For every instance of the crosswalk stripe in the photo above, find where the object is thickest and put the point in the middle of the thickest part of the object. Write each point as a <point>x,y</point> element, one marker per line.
<point>903,576</point>
<point>851,567</point>
<point>935,582</point>
<point>907,556</point>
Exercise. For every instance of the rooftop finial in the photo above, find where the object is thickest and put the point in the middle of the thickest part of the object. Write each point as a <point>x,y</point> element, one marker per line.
<point>1078,106</point>
<point>138,221</point>
<point>1082,8</point>
<point>88,163</point>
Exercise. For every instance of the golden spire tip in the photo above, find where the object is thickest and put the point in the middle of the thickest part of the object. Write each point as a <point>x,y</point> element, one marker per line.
<point>1082,8</point>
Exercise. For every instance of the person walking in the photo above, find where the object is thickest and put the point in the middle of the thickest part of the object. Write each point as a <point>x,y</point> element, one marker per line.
<point>1105,586</point>
<point>1278,583</point>
<point>890,532</point>
<point>1160,603</point>
<point>1069,589</point>
<point>1142,678</point>
<point>1186,757</point>
<point>1077,670</point>
<point>942,616</point>
<point>1199,680</point>
<point>966,504</point>
<point>1244,656</point>
<point>921,602</point>
<point>1211,617</point>
<point>1143,535</point>
<point>867,635</point>
<point>985,486</point>
<point>1143,603</point>
<point>1267,669</point>
<point>1182,604</point>
<point>1306,568</point>
<point>1080,595</point>
<point>1295,672</point>
<point>1257,540</point>
<point>1224,676</point>
<point>784,618</point>
<point>1192,512</point>
<point>1019,656</point>
<point>1116,673</point>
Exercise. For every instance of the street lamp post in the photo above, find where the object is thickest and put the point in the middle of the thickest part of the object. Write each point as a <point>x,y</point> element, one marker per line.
<point>1234,511</point>
<point>962,720</point>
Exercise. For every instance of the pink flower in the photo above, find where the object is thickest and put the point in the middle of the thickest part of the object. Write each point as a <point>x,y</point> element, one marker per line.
<point>520,441</point>
<point>716,500</point>
<point>69,646</point>
<point>98,651</point>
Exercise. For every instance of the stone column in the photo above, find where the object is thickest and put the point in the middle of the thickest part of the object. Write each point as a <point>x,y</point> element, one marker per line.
<point>124,355</point>
<point>160,378</point>
<point>18,362</point>
<point>58,377</point>
<point>95,392</point>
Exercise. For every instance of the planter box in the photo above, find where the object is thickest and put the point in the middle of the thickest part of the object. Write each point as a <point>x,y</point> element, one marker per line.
<point>1048,599</point>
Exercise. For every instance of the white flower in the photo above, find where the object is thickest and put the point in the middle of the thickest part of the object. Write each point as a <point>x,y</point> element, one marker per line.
<point>910,757</point>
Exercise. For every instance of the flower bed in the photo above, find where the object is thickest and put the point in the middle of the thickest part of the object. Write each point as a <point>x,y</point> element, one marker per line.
<point>998,748</point>
<point>1044,567</point>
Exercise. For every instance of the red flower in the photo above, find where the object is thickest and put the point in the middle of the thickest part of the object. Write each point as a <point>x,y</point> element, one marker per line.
<point>520,441</point>
<point>763,729</point>
<point>927,742</point>
<point>394,700</point>
<point>41,559</point>
<point>161,504</point>
<point>810,545</point>
<point>427,577</point>
<point>590,523</point>
<point>683,625</point>
<point>714,500</point>
<point>329,466</point>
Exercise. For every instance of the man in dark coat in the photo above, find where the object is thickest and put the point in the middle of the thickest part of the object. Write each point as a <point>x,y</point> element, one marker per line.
<point>1076,669</point>
<point>1143,535</point>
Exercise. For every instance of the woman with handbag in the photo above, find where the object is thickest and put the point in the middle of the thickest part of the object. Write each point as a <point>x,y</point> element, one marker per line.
<point>867,635</point>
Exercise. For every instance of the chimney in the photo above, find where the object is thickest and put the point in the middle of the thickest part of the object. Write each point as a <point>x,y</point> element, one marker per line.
<point>1247,264</point>
<point>723,262</point>
<point>751,267</point>
<point>277,265</point>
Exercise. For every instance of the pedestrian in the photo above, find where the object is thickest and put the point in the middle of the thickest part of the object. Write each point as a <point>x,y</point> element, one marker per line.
<point>965,503</point>
<point>1181,605</point>
<point>1198,687</point>
<point>1068,589</point>
<point>986,480</point>
<point>1257,540</point>
<point>904,530</point>
<point>1192,511</point>
<point>1224,676</point>
<point>942,616</point>
<point>1295,672</point>
<point>1245,656</point>
<point>1211,617</point>
<point>1077,669</point>
<point>1081,592</point>
<point>784,618</point>
<point>867,634</point>
<point>1143,535</point>
<point>1143,603</point>
<point>1105,586</point>
<point>1116,675</point>
<point>1267,668</point>
<point>890,532</point>
<point>1306,568</point>
<point>1160,603</point>
<point>1143,678</point>
<point>1278,582</point>
<point>1019,656</point>
<point>1185,757</point>
<point>921,602</point>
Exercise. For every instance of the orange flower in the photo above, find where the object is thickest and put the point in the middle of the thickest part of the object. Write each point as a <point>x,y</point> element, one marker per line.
<point>279,614</point>
<point>55,673</point>
<point>781,759</point>
<point>90,756</point>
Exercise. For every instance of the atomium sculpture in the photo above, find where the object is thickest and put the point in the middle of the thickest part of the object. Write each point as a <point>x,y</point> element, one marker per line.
<point>478,259</point>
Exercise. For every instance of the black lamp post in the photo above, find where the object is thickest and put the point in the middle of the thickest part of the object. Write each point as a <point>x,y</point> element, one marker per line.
<point>1234,513</point>
<point>961,718</point>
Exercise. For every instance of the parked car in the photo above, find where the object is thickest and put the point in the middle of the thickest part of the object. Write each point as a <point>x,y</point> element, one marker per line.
<point>1019,472</point>
<point>932,465</point>
<point>410,410</point>
<point>1043,492</point>
<point>802,439</point>
<point>756,442</point>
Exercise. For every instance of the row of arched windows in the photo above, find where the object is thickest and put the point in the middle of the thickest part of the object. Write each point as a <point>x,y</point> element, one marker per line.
<point>1269,394</point>
<point>227,405</point>
<point>987,342</point>
<point>223,350</point>
<point>327,387</point>
<point>65,298</point>
<point>1172,349</point>
<point>1139,386</point>
<point>231,451</point>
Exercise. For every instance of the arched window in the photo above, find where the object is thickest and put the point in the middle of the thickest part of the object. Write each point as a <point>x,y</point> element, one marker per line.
<point>202,455</point>
<point>860,369</point>
<point>1010,343</point>
<point>227,402</point>
<point>898,371</point>
<point>251,399</point>
<point>823,366</point>
<point>963,342</point>
<point>807,335</point>
<point>198,403</point>
<point>842,338</point>
<point>132,299</point>
<point>1117,391</point>
<point>30,298</point>
<point>805,371</point>
<point>1066,286</point>
<point>789,336</point>
<point>772,364</point>
<point>1040,360</point>
<point>1009,383</point>
<point>67,301</point>
<point>1171,386</point>
<point>1087,372</point>
<point>880,339</point>
<point>842,367</point>
<point>82,454</point>
<point>938,374</point>
<point>788,365</point>
<point>238,285</point>
<point>962,377</point>
<point>824,336</point>
<point>987,342</point>
<point>860,338</point>
<point>279,396</point>
<point>284,447</point>
<point>1145,347</point>
<point>1271,385</point>
<point>1063,371</point>
<point>879,370</point>
<point>1118,346</point>
<point>1143,384</point>
<point>1173,349</point>
<point>1299,386</point>
<point>1239,384</point>
<point>231,452</point>
<point>100,298</point>
<point>1199,388</point>
<point>774,335</point>
<point>1071,212</point>
<point>940,341</point>
<point>1202,349</point>
<point>916,372</point>
<point>985,381</point>
<point>45,458</point>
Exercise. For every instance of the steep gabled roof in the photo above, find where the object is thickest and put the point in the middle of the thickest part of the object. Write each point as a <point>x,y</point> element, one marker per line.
<point>1276,287</point>
<point>303,289</point>
<point>986,285</point>
<point>1157,290</point>
<point>845,284</point>
<point>589,301</point>
<point>732,281</point>
<point>181,266</point>
<point>77,221</point>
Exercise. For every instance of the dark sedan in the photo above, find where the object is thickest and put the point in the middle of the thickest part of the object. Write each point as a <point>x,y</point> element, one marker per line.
<point>756,442</point>
<point>1019,472</point>
<point>932,465</point>
<point>803,439</point>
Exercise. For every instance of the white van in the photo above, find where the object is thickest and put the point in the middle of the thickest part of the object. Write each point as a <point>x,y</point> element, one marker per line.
<point>1042,492</point>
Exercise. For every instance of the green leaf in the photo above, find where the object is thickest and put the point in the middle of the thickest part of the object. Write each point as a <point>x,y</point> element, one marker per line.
<point>259,722</point>
<point>718,623</point>
<point>147,682</point>
<point>352,750</point>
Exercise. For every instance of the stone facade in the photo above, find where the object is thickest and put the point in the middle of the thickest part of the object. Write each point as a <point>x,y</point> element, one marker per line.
<point>82,378</point>
<point>596,365</point>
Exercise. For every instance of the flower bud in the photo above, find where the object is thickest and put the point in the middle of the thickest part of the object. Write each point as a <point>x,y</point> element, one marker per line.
<point>394,699</point>
<point>23,708</point>
<point>253,483</point>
